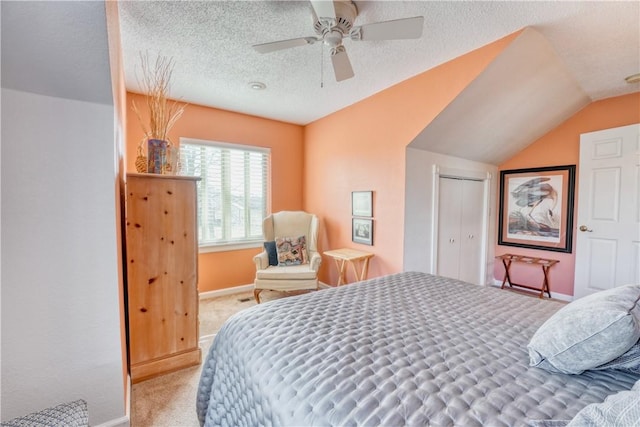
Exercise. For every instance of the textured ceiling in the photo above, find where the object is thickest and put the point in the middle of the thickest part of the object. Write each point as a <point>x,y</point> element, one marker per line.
<point>599,42</point>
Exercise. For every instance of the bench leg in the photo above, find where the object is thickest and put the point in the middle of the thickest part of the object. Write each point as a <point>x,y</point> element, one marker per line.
<point>507,278</point>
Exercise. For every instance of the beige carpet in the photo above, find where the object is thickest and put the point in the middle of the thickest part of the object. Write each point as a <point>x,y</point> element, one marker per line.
<point>215,311</point>
<point>170,400</point>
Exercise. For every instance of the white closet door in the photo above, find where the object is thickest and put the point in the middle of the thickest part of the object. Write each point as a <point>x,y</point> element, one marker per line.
<point>460,213</point>
<point>471,230</point>
<point>449,216</point>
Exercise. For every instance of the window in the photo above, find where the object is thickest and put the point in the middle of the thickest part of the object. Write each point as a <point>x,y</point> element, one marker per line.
<point>232,191</point>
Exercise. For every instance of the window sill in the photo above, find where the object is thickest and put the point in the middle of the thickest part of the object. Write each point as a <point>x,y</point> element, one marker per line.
<point>229,247</point>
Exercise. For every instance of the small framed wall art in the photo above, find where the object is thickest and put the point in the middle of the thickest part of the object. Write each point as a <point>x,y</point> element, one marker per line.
<point>362,231</point>
<point>362,203</point>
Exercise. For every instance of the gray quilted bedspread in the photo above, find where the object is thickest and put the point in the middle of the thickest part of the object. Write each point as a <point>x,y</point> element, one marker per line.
<point>406,349</point>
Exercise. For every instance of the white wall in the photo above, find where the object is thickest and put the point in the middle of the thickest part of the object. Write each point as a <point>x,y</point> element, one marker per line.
<point>60,313</point>
<point>419,206</point>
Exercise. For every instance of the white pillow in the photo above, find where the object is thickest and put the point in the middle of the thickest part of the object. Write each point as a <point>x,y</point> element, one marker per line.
<point>588,332</point>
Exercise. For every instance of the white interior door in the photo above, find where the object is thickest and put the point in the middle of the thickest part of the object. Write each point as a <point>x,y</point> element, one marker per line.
<point>449,214</point>
<point>471,230</point>
<point>460,228</point>
<point>608,236</point>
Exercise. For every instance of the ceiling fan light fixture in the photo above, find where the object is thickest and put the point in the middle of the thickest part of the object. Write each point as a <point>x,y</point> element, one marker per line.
<point>333,22</point>
<point>344,13</point>
<point>634,78</point>
<point>257,85</point>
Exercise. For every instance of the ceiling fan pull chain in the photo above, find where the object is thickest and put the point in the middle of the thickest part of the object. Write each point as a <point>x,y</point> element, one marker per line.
<point>321,65</point>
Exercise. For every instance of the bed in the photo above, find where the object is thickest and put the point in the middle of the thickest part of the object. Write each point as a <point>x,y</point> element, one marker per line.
<point>405,349</point>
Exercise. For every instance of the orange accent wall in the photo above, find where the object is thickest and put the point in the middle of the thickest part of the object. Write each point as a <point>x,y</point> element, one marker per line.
<point>218,270</point>
<point>561,146</point>
<point>362,147</point>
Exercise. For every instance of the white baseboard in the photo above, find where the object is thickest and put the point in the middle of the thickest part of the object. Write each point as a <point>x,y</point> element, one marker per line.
<point>226,291</point>
<point>242,288</point>
<point>205,338</point>
<point>118,422</point>
<point>554,295</point>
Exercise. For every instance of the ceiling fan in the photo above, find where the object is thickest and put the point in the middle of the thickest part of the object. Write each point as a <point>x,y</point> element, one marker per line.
<point>333,21</point>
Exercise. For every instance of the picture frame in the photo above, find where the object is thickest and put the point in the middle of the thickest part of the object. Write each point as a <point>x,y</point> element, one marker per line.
<point>362,231</point>
<point>362,203</point>
<point>536,208</point>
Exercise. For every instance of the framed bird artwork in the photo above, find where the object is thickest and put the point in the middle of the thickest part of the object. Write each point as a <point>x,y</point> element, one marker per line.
<point>536,208</point>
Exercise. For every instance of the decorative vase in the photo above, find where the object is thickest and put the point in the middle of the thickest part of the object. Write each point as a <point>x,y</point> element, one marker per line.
<point>141,161</point>
<point>172,160</point>
<point>157,156</point>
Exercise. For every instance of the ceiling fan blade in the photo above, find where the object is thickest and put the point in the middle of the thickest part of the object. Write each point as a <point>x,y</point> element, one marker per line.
<point>341,64</point>
<point>405,28</point>
<point>324,8</point>
<point>284,44</point>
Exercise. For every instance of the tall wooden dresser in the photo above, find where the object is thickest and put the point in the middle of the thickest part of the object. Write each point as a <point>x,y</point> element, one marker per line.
<point>162,274</point>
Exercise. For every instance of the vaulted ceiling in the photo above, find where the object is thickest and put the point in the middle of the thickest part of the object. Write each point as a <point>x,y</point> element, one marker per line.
<point>574,53</point>
<point>525,92</point>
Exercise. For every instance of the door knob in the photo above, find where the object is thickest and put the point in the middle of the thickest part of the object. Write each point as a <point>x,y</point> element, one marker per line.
<point>585,228</point>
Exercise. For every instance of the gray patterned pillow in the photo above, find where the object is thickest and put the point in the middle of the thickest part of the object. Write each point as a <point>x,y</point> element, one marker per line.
<point>620,409</point>
<point>588,332</point>
<point>72,414</point>
<point>629,361</point>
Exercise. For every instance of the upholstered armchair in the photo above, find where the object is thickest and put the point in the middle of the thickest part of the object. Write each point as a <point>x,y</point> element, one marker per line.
<point>290,260</point>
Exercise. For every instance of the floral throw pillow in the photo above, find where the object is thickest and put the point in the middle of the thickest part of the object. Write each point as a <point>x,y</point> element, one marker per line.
<point>291,250</point>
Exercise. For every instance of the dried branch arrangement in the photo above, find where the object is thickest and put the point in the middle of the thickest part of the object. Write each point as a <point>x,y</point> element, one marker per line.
<point>163,113</point>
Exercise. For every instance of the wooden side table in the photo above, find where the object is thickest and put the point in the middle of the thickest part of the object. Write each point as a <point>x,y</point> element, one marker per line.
<point>545,263</point>
<point>345,256</point>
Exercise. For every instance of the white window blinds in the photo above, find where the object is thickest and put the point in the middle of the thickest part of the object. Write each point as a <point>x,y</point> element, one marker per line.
<point>232,191</point>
